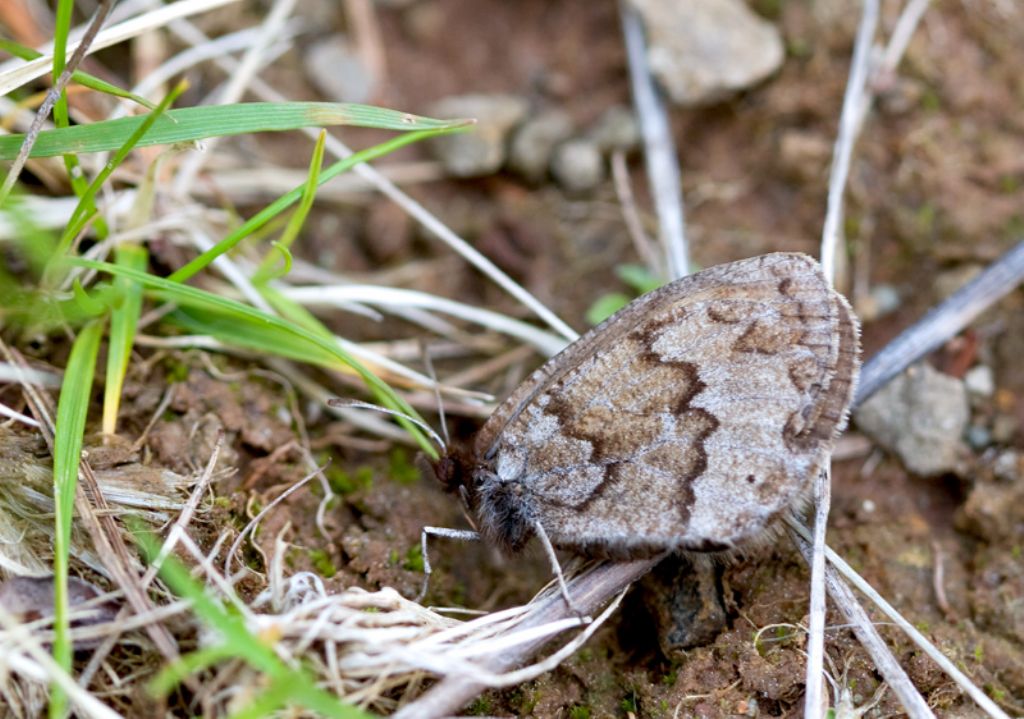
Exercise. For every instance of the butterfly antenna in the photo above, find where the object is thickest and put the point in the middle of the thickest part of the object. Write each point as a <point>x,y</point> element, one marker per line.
<point>358,404</point>
<point>429,364</point>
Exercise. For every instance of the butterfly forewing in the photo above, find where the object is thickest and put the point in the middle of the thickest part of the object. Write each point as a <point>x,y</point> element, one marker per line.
<point>690,419</point>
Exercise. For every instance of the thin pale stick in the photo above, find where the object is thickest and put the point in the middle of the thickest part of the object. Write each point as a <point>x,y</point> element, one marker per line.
<point>659,147</point>
<point>943,322</point>
<point>847,137</point>
<point>864,628</point>
<point>816,625</point>
<point>630,214</point>
<point>556,567</point>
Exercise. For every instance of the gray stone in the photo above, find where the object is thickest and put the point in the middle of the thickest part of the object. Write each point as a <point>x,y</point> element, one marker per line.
<point>881,300</point>
<point>616,129</point>
<point>482,149</point>
<point>978,437</point>
<point>578,166</point>
<point>337,71</point>
<point>921,416</point>
<point>534,143</point>
<point>1007,466</point>
<point>980,381</point>
<point>704,50</point>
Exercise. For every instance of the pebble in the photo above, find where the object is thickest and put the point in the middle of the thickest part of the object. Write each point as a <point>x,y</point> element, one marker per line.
<point>534,143</point>
<point>978,437</point>
<point>882,300</point>
<point>921,416</point>
<point>704,50</point>
<point>1007,466</point>
<point>578,166</point>
<point>481,150</point>
<point>616,130</point>
<point>980,381</point>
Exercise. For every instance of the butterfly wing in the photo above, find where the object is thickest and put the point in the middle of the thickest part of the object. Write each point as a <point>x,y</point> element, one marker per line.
<point>690,419</point>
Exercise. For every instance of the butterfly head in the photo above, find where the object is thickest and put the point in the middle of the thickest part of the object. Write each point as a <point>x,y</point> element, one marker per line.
<point>496,507</point>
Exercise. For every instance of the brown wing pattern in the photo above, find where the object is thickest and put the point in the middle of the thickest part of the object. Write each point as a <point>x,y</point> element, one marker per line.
<point>690,419</point>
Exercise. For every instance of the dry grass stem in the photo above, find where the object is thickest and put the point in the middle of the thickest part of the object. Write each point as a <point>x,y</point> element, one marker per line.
<point>659,147</point>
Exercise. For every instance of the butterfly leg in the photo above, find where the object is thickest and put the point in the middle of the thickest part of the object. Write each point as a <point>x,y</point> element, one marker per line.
<point>464,535</point>
<point>557,568</point>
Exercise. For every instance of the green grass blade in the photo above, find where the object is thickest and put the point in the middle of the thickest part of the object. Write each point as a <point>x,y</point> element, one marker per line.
<point>241,333</point>
<point>197,123</point>
<point>282,203</point>
<point>271,331</point>
<point>61,29</point>
<point>72,408</point>
<point>123,321</point>
<point>291,231</point>
<point>86,207</point>
<point>82,78</point>
<point>290,685</point>
<point>173,675</point>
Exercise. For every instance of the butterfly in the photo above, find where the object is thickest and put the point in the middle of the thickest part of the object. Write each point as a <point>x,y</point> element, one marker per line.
<point>692,419</point>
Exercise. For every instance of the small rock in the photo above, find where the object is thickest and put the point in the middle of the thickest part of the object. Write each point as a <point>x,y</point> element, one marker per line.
<point>337,71</point>
<point>704,50</point>
<point>978,437</point>
<point>881,301</point>
<point>481,150</point>
<point>578,165</point>
<point>684,599</point>
<point>534,142</point>
<point>1008,466</point>
<point>921,416</point>
<point>616,129</point>
<point>980,381</point>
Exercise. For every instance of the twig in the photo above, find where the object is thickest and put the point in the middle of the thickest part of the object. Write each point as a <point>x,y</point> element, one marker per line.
<point>659,147</point>
<point>943,322</point>
<point>630,215</point>
<point>869,637</point>
<point>853,99</point>
<point>816,625</point>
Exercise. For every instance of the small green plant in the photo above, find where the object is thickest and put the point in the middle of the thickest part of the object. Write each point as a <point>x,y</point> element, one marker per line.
<point>400,468</point>
<point>640,280</point>
<point>322,563</point>
<point>414,559</point>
